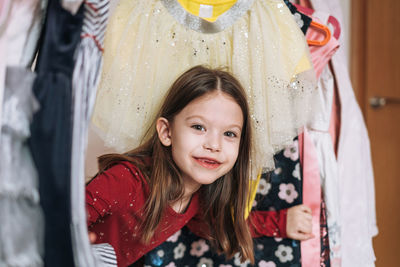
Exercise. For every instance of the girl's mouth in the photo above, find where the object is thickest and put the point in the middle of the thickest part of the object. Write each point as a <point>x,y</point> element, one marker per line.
<point>208,163</point>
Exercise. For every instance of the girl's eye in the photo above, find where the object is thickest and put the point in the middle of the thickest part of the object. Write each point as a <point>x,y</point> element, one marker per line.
<point>230,134</point>
<point>198,127</point>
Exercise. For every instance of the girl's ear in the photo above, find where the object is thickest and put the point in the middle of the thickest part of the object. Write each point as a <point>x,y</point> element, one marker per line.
<point>164,131</point>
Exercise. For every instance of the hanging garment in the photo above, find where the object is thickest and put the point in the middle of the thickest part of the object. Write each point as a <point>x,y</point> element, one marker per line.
<point>355,177</point>
<point>146,39</point>
<point>320,135</point>
<point>4,13</point>
<point>21,220</point>
<point>105,255</point>
<point>302,20</point>
<point>51,129</point>
<point>5,8</point>
<point>310,249</point>
<point>280,189</point>
<point>88,63</point>
<point>325,260</point>
<point>205,10</point>
<point>18,38</point>
<point>328,167</point>
<point>321,55</point>
<point>71,5</point>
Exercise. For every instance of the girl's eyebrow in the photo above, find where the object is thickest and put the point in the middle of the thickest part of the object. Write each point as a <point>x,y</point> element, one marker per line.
<point>195,117</point>
<point>204,119</point>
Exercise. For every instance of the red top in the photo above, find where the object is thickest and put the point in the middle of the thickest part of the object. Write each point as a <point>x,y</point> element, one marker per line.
<point>114,200</point>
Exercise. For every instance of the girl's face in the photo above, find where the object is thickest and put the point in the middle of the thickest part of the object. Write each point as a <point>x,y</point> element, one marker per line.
<point>205,138</point>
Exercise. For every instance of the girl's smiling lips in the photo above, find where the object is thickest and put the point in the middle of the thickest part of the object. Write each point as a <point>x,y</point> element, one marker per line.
<point>208,163</point>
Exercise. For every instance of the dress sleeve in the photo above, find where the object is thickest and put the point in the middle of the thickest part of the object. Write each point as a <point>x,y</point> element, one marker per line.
<point>111,190</point>
<point>268,223</point>
<point>261,223</point>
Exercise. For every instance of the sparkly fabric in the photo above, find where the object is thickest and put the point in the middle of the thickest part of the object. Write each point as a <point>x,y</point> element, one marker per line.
<point>114,202</point>
<point>147,48</point>
<point>325,259</point>
<point>277,190</point>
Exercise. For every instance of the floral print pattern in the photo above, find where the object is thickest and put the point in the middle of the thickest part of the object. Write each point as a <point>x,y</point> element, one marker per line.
<point>324,258</point>
<point>263,187</point>
<point>296,171</point>
<point>284,253</point>
<point>205,262</point>
<point>268,251</point>
<point>266,264</point>
<point>292,151</point>
<point>303,21</point>
<point>174,237</point>
<point>287,192</point>
<point>298,19</point>
<point>198,248</point>
<point>179,251</point>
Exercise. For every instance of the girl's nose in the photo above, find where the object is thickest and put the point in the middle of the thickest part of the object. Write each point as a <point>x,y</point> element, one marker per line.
<point>212,143</point>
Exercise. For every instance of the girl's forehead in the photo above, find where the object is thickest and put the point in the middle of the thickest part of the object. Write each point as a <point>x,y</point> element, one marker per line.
<point>216,94</point>
<point>216,106</point>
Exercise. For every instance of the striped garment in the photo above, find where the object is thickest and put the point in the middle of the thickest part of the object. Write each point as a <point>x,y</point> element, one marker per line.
<point>87,69</point>
<point>105,254</point>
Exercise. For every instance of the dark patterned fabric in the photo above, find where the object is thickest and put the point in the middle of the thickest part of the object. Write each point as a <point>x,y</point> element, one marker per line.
<point>277,190</point>
<point>325,260</point>
<point>302,20</point>
<point>51,129</point>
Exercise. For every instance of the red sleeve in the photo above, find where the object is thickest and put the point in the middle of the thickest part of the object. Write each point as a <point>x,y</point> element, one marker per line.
<point>261,223</point>
<point>111,190</point>
<point>268,223</point>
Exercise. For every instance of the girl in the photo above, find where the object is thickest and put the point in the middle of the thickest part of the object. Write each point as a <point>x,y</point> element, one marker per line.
<point>196,158</point>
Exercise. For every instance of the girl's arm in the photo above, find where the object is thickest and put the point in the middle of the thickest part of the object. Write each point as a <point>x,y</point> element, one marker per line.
<point>110,191</point>
<point>261,223</point>
<point>268,223</point>
<point>294,223</point>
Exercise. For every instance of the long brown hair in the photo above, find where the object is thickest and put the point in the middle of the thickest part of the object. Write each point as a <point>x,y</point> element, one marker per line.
<point>224,201</point>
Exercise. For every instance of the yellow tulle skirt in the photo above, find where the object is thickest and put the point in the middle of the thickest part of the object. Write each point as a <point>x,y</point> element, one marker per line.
<point>149,43</point>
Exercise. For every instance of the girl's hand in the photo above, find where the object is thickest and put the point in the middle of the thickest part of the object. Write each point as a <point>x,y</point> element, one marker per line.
<point>92,237</point>
<point>298,225</point>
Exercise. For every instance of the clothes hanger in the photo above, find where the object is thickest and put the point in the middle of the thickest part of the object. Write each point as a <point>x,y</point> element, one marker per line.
<point>336,26</point>
<point>322,28</point>
<point>331,20</point>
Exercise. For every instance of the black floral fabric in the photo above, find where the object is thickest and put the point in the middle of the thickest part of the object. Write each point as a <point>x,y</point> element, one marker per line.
<point>279,189</point>
<point>302,20</point>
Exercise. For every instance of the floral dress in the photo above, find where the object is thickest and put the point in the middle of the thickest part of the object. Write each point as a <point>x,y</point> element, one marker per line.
<point>279,189</point>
